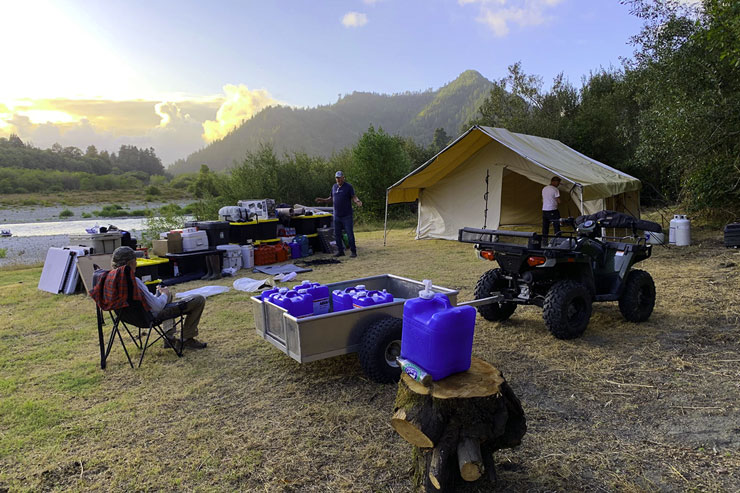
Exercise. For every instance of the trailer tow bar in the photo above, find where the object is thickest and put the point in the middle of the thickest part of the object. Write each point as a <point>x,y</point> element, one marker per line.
<point>483,301</point>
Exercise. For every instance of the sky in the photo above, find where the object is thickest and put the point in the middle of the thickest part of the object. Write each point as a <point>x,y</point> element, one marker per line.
<point>176,75</point>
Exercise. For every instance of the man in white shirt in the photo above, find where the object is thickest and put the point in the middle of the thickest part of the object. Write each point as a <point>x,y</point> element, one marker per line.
<point>161,305</point>
<point>550,202</point>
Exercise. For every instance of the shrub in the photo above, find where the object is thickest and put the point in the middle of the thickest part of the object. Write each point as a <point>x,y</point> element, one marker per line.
<point>3,252</point>
<point>141,212</point>
<point>86,214</point>
<point>66,213</point>
<point>153,190</point>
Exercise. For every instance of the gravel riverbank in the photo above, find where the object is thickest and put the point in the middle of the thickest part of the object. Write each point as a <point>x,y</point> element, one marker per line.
<point>30,250</point>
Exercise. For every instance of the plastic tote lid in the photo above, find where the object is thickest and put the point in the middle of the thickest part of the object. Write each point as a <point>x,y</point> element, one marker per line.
<point>427,292</point>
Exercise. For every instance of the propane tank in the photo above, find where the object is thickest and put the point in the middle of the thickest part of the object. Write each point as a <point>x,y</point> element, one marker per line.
<point>679,233</point>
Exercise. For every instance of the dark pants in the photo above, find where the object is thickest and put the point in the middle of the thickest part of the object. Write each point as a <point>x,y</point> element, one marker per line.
<point>345,223</point>
<point>547,218</point>
<point>192,311</point>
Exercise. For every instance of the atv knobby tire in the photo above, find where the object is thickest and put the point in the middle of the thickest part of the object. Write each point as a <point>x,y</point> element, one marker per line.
<point>638,298</point>
<point>567,309</point>
<point>379,348</point>
<point>489,283</point>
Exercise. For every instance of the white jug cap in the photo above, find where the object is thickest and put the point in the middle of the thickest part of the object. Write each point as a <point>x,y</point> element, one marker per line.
<point>427,292</point>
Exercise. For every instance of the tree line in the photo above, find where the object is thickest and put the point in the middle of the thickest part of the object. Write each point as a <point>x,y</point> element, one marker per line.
<point>25,168</point>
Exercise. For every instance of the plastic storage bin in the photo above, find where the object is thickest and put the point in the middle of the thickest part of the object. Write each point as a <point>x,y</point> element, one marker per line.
<point>148,269</point>
<point>247,256</point>
<point>242,232</point>
<point>437,336</point>
<point>304,225</point>
<point>100,242</point>
<point>266,229</point>
<point>217,231</point>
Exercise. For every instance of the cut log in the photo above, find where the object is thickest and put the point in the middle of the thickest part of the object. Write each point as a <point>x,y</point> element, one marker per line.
<point>415,418</point>
<point>469,459</point>
<point>457,424</point>
<point>481,380</point>
<point>439,468</point>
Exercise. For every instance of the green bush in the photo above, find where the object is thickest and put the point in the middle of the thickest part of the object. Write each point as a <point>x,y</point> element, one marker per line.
<point>86,214</point>
<point>141,212</point>
<point>153,190</point>
<point>66,213</point>
<point>3,252</point>
<point>112,210</point>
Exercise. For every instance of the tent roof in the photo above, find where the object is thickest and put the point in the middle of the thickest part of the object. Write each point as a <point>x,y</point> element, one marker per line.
<point>552,156</point>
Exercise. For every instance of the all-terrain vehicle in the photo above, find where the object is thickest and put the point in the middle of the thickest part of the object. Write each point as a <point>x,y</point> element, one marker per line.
<point>565,273</point>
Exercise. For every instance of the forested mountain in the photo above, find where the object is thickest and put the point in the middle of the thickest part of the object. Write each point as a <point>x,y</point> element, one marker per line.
<point>324,130</point>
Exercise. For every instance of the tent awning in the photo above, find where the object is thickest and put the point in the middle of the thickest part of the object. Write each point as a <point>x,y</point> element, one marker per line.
<point>550,157</point>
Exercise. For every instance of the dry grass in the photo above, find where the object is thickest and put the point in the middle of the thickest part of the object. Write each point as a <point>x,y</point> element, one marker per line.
<point>648,407</point>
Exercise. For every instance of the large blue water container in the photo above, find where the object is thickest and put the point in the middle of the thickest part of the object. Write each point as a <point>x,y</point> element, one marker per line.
<point>370,298</point>
<point>341,299</point>
<point>319,293</point>
<point>269,292</point>
<point>437,336</point>
<point>303,241</point>
<point>298,303</point>
<point>295,250</point>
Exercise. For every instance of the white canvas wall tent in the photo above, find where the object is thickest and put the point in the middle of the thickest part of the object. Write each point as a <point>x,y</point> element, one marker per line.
<point>451,187</point>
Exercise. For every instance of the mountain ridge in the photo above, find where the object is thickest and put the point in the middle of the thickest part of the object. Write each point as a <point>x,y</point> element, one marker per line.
<point>327,129</point>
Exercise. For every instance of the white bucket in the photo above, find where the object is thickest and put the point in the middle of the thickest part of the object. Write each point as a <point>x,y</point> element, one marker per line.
<point>247,256</point>
<point>655,238</point>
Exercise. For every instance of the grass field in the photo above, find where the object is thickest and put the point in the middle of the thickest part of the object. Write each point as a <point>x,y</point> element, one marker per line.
<point>627,407</point>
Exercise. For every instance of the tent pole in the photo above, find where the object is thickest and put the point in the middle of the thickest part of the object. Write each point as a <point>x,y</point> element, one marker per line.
<point>385,222</point>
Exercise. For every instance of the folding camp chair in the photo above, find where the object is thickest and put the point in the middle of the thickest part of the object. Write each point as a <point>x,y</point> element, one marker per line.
<point>135,315</point>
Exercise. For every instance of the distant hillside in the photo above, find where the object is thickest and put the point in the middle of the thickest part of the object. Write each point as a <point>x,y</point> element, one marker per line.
<point>324,130</point>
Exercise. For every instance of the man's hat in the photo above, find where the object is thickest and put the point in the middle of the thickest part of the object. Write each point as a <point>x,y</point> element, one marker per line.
<point>122,255</point>
<point>556,178</point>
<point>338,174</point>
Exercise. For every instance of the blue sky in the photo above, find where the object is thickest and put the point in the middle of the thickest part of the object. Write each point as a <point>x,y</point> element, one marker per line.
<point>156,72</point>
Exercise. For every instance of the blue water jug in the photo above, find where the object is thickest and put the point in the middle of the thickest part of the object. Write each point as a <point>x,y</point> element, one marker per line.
<point>303,241</point>
<point>319,293</point>
<point>295,250</point>
<point>341,299</point>
<point>298,303</point>
<point>370,298</point>
<point>265,296</point>
<point>437,336</point>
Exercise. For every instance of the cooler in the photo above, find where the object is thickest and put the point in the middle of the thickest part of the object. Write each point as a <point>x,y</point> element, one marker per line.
<point>732,235</point>
<point>231,255</point>
<point>194,241</point>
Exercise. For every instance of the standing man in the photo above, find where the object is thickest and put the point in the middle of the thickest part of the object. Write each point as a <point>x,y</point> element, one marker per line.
<point>550,202</point>
<point>342,195</point>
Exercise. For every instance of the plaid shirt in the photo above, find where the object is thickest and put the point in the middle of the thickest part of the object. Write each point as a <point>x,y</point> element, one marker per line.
<point>111,289</point>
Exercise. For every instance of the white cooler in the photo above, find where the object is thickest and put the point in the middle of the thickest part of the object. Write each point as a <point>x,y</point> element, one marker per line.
<point>232,256</point>
<point>194,240</point>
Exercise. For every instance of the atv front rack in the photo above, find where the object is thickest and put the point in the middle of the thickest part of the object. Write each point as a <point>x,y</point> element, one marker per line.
<point>489,237</point>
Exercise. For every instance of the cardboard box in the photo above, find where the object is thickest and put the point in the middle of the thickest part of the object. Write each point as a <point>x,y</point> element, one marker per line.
<point>173,244</point>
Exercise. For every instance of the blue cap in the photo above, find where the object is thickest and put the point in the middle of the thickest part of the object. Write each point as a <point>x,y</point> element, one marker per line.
<point>338,174</point>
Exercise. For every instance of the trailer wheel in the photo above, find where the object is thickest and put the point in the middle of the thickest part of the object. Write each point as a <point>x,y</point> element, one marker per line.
<point>379,348</point>
<point>567,309</point>
<point>493,282</point>
<point>638,298</point>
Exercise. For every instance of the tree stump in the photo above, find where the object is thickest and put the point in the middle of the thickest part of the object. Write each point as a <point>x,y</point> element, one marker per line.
<point>456,424</point>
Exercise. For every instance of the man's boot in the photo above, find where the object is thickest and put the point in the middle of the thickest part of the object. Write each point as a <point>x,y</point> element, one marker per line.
<point>216,267</point>
<point>209,267</point>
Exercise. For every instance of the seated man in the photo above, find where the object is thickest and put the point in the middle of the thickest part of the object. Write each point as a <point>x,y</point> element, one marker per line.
<point>161,306</point>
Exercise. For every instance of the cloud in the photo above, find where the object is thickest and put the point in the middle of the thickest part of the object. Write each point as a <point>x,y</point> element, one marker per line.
<point>354,19</point>
<point>499,15</point>
<point>240,104</point>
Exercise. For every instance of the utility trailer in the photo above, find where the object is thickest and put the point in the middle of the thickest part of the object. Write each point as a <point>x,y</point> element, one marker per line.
<point>374,331</point>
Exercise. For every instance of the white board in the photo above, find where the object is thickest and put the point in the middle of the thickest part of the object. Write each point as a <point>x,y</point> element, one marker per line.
<point>56,269</point>
<point>73,276</point>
